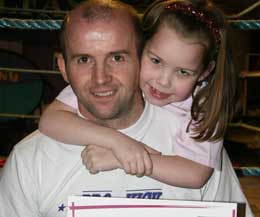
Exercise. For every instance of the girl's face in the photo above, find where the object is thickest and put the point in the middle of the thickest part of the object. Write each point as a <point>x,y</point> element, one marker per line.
<point>171,67</point>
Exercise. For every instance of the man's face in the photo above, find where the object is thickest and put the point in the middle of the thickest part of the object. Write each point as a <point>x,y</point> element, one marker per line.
<point>102,67</point>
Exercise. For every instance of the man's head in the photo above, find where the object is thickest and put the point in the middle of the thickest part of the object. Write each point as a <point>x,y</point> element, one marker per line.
<point>100,42</point>
<point>99,9</point>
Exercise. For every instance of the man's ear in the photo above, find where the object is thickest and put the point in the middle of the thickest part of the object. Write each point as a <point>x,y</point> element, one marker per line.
<point>62,67</point>
<point>207,70</point>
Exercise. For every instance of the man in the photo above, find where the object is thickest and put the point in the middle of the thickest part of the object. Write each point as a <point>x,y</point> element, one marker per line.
<point>40,174</point>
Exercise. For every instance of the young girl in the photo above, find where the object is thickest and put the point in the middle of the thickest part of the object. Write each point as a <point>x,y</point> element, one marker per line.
<point>186,69</point>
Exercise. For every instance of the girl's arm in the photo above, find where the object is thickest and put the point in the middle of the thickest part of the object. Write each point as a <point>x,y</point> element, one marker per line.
<point>179,171</point>
<point>61,122</point>
<point>97,159</point>
<point>172,170</point>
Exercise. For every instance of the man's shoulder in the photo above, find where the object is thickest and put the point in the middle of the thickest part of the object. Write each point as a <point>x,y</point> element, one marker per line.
<point>38,143</point>
<point>32,142</point>
<point>34,137</point>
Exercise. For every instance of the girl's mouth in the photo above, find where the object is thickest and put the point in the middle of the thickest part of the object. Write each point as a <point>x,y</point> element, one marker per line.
<point>157,94</point>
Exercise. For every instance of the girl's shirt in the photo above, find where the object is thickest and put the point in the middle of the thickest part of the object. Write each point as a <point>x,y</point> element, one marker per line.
<point>206,153</point>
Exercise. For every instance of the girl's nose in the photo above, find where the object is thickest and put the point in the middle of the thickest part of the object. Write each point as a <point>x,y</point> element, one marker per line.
<point>165,79</point>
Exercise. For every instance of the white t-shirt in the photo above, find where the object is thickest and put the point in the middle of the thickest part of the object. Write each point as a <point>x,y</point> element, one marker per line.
<point>206,153</point>
<point>41,173</point>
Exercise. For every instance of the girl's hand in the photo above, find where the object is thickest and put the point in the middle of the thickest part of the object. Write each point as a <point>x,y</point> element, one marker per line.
<point>134,156</point>
<point>97,159</point>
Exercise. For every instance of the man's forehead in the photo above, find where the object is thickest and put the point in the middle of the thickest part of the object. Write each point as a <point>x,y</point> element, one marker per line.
<point>99,14</point>
<point>97,35</point>
<point>118,18</point>
<point>102,26</point>
<point>101,38</point>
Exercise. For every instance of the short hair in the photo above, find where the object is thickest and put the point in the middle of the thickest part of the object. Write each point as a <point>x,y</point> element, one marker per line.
<point>93,10</point>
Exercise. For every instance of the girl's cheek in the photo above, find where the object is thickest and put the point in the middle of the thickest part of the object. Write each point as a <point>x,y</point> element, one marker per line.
<point>143,76</point>
<point>146,74</point>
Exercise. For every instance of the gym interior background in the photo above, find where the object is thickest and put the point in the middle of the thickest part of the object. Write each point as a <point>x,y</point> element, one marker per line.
<point>29,77</point>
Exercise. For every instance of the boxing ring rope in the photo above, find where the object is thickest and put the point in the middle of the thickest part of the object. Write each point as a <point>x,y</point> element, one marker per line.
<point>246,24</point>
<point>12,115</point>
<point>251,74</point>
<point>247,171</point>
<point>51,24</point>
<point>29,70</point>
<point>245,11</point>
<point>30,24</point>
<point>245,126</point>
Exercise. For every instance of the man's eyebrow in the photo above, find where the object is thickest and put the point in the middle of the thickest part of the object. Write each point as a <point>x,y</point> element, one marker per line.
<point>119,52</point>
<point>75,55</point>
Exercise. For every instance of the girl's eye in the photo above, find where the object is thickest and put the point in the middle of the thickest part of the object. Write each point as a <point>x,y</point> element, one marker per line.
<point>83,59</point>
<point>183,72</point>
<point>155,60</point>
<point>118,58</point>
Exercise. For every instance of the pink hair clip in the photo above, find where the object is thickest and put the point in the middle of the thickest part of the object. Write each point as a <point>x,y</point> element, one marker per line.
<point>190,10</point>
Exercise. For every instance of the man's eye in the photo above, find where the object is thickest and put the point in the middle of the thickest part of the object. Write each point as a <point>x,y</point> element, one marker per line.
<point>118,58</point>
<point>155,61</point>
<point>83,60</point>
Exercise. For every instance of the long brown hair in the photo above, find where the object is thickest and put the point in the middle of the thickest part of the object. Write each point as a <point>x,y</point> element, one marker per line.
<point>213,104</point>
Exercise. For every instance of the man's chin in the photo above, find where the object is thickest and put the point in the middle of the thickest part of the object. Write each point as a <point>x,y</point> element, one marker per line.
<point>101,114</point>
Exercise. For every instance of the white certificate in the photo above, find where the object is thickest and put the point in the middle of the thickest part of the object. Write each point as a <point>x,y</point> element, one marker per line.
<point>79,206</point>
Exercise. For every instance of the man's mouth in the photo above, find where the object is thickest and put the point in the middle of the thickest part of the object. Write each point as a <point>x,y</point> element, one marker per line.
<point>104,94</point>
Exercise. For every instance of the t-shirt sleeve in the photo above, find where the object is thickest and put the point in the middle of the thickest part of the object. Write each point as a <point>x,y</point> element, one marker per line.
<point>68,97</point>
<point>17,196</point>
<point>206,153</point>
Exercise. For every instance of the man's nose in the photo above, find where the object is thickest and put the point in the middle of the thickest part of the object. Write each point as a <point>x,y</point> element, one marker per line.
<point>102,74</point>
<point>165,79</point>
